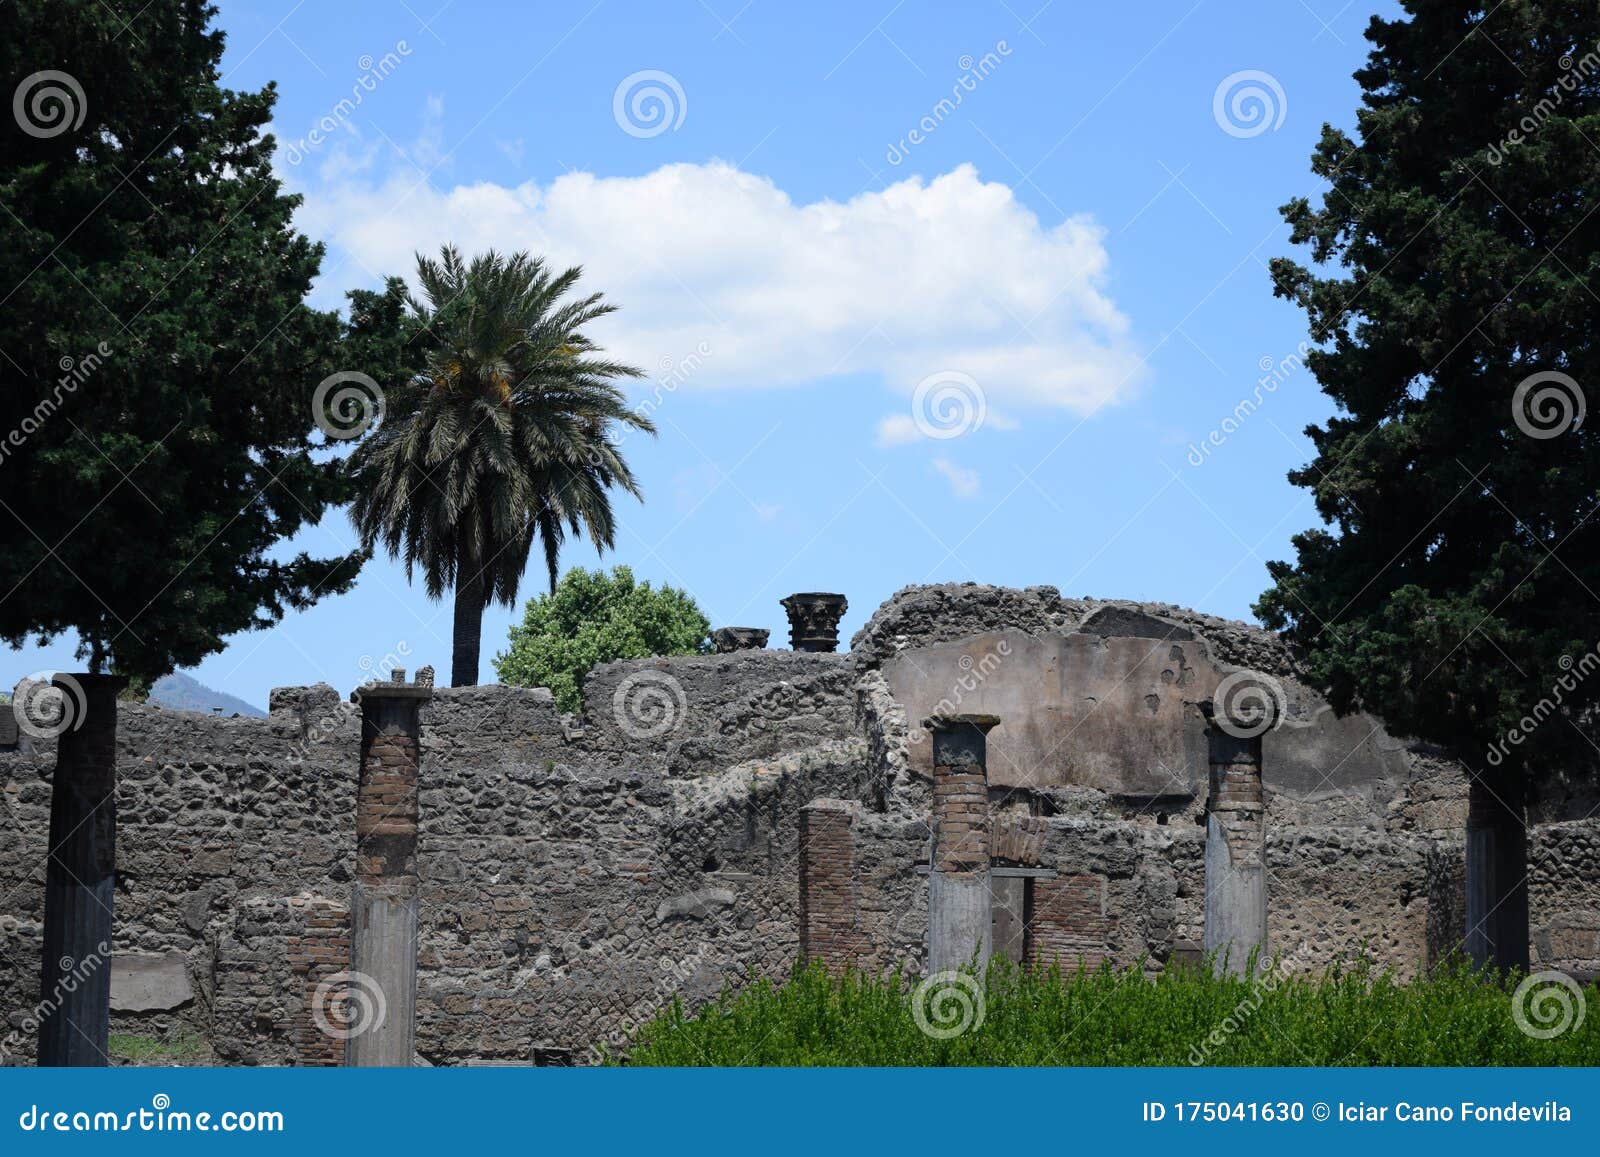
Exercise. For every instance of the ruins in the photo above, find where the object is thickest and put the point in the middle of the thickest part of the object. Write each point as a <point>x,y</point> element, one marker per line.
<point>985,771</point>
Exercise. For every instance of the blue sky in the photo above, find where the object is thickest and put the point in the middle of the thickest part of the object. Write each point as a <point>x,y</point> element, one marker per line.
<point>801,225</point>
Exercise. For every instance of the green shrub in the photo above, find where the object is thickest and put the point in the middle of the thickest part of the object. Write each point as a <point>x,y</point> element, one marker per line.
<point>595,617</point>
<point>1107,1017</point>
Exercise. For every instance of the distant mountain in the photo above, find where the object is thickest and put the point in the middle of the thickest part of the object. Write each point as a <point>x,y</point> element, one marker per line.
<point>179,692</point>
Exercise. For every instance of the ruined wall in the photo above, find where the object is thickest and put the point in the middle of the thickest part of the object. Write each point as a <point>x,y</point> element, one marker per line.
<point>1564,895</point>
<point>212,815</point>
<point>577,874</point>
<point>572,880</point>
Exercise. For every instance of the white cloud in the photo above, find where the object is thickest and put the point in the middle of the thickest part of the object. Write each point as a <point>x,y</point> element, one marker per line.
<point>898,429</point>
<point>963,482</point>
<point>952,274</point>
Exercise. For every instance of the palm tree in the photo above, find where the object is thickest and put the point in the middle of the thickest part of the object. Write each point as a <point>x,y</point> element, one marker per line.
<point>505,436</point>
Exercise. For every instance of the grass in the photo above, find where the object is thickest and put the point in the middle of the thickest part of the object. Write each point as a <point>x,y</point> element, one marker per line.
<point>180,1049</point>
<point>1357,1016</point>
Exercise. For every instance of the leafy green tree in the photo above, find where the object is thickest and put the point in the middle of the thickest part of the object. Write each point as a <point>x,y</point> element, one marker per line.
<point>506,436</point>
<point>156,395</point>
<point>1456,582</point>
<point>595,617</point>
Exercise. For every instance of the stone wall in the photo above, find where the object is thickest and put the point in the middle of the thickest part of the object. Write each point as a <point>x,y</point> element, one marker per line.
<point>576,875</point>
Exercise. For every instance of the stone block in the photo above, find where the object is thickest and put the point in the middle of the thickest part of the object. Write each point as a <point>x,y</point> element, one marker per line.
<point>150,983</point>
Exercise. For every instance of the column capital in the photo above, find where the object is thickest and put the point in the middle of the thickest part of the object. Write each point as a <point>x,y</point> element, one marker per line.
<point>937,723</point>
<point>396,687</point>
<point>814,620</point>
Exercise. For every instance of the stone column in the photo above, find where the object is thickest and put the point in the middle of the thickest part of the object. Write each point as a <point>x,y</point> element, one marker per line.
<point>1236,836</point>
<point>814,620</point>
<point>960,910</point>
<point>383,943</point>
<point>80,875</point>
<point>726,640</point>
<point>1497,872</point>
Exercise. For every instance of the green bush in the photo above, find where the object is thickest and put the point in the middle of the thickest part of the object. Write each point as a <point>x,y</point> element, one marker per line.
<point>1106,1017</point>
<point>594,617</point>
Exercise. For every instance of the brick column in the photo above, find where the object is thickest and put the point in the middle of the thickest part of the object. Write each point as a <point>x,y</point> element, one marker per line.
<point>828,926</point>
<point>80,874</point>
<point>1236,834</point>
<point>959,901</point>
<point>383,946</point>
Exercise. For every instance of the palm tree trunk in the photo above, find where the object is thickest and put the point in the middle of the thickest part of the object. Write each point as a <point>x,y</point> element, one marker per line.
<point>1497,872</point>
<point>80,878</point>
<point>470,602</point>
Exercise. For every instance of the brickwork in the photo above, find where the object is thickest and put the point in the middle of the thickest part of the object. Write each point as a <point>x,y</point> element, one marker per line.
<point>1069,924</point>
<point>1017,840</point>
<point>960,809</point>
<point>1236,798</point>
<point>272,962</point>
<point>319,952</point>
<point>386,809</point>
<point>829,928</point>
